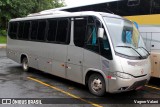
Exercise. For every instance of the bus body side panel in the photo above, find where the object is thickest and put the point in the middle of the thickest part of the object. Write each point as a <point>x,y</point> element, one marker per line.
<point>43,59</point>
<point>33,61</point>
<point>33,57</point>
<point>59,62</point>
<point>75,64</point>
<point>49,56</point>
<point>15,48</point>
<point>93,62</point>
<point>108,66</point>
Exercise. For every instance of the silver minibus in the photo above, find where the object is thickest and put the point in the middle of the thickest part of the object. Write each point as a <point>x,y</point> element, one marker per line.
<point>103,51</point>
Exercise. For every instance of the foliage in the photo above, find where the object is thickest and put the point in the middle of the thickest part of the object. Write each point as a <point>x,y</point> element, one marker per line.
<point>3,39</point>
<point>20,8</point>
<point>3,33</point>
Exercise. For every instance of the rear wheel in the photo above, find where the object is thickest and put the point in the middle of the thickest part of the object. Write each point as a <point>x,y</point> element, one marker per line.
<point>25,64</point>
<point>96,84</point>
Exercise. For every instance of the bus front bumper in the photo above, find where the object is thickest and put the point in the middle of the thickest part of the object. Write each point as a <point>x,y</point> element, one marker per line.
<point>121,85</point>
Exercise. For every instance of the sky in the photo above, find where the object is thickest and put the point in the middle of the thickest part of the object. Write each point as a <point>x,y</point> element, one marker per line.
<point>82,2</point>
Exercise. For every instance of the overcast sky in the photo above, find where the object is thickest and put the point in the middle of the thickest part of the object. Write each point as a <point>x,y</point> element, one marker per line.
<point>82,2</point>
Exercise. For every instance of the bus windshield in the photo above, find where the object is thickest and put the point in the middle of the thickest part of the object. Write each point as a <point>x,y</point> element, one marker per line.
<point>125,37</point>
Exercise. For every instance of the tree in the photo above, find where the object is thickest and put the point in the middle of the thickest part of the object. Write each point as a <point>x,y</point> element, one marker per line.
<point>20,8</point>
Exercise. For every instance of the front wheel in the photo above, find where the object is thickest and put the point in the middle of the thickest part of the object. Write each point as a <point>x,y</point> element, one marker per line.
<point>25,64</point>
<point>96,85</point>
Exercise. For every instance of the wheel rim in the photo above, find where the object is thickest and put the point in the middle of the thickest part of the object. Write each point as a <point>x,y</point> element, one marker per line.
<point>25,64</point>
<point>96,85</point>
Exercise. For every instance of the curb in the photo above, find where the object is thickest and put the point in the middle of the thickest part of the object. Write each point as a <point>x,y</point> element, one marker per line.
<point>2,46</point>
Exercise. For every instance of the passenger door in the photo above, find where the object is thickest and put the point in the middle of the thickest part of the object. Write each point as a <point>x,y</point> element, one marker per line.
<point>75,50</point>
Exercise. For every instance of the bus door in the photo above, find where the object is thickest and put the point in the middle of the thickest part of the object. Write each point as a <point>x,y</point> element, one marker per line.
<point>75,50</point>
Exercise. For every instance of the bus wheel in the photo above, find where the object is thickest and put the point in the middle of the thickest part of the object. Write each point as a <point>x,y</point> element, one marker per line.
<point>25,64</point>
<point>96,85</point>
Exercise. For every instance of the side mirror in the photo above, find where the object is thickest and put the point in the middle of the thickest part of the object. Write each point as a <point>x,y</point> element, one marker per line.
<point>100,32</point>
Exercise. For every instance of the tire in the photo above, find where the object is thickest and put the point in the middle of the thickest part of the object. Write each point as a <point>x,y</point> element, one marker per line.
<point>25,65</point>
<point>96,85</point>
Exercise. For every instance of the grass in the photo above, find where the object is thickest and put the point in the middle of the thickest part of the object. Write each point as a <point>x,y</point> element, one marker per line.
<point>3,39</point>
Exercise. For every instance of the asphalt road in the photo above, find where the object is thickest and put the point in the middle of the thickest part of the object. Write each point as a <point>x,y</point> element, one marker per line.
<point>15,83</point>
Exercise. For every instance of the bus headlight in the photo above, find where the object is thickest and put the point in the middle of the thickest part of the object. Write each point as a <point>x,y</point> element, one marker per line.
<point>123,75</point>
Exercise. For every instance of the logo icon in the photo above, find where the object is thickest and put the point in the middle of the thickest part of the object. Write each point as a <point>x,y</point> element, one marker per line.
<point>6,101</point>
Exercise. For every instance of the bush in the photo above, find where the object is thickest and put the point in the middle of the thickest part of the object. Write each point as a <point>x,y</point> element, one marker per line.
<point>3,39</point>
<point>3,33</point>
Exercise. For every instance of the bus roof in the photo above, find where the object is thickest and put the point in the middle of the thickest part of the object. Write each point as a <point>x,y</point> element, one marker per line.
<point>58,14</point>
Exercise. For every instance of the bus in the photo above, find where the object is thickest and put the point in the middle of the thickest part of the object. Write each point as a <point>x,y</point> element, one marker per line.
<point>103,51</point>
<point>145,12</point>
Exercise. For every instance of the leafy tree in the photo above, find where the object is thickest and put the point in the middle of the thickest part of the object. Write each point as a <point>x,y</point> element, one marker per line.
<point>20,8</point>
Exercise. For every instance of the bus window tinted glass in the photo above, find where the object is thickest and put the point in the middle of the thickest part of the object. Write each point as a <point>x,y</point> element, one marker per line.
<point>133,7</point>
<point>91,41</point>
<point>20,30</point>
<point>90,19</point>
<point>133,2</point>
<point>62,31</point>
<point>80,26</point>
<point>52,30</point>
<point>91,37</point>
<point>26,30</point>
<point>13,30</point>
<point>105,47</point>
<point>34,30</point>
<point>155,7</point>
<point>41,30</point>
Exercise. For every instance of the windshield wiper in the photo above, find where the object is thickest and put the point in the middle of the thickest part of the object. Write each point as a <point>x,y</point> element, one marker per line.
<point>145,50</point>
<point>133,49</point>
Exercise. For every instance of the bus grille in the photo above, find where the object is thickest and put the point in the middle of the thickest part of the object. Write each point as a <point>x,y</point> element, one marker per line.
<point>138,84</point>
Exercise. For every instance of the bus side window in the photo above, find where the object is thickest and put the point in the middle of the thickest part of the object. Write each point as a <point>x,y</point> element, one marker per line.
<point>105,47</point>
<point>20,30</point>
<point>80,25</point>
<point>62,30</point>
<point>34,29</point>
<point>41,30</point>
<point>52,29</point>
<point>26,30</point>
<point>105,42</point>
<point>91,39</point>
<point>13,27</point>
<point>91,35</point>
